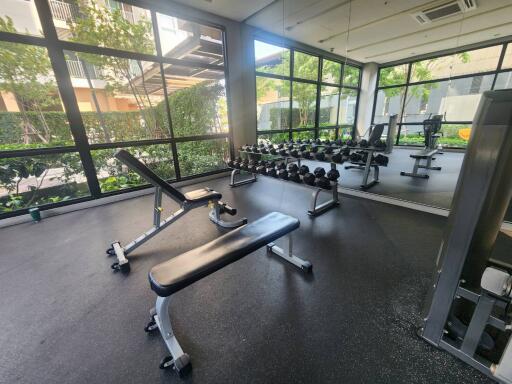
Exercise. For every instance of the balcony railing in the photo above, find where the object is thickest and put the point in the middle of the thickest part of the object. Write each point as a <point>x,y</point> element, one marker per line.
<point>76,70</point>
<point>63,11</point>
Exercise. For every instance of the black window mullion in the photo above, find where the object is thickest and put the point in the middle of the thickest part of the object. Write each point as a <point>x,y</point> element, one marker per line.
<point>500,63</point>
<point>60,69</point>
<point>290,112</point>
<point>174,147</point>
<point>318,96</point>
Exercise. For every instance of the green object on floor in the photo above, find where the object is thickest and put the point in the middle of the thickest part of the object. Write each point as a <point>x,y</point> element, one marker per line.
<point>36,214</point>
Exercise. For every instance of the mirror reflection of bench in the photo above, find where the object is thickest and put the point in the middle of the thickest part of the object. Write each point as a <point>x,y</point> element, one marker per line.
<point>187,201</point>
<point>419,156</point>
<point>181,271</point>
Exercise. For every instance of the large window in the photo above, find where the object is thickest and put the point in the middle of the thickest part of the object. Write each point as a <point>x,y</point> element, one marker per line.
<point>450,86</point>
<point>302,95</point>
<point>127,77</point>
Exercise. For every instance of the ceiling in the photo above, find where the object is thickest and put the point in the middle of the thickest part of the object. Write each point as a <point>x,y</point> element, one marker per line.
<point>380,30</point>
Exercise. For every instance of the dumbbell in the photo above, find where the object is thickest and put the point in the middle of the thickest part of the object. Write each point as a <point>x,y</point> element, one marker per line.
<point>293,167</point>
<point>251,167</point>
<point>381,160</point>
<point>283,153</point>
<point>264,151</point>
<point>283,174</point>
<point>363,143</point>
<point>231,163</point>
<point>323,182</point>
<point>328,150</point>
<point>271,172</point>
<point>294,153</point>
<point>280,146</point>
<point>339,143</point>
<point>351,143</point>
<point>379,144</point>
<point>237,163</point>
<point>262,145</point>
<point>299,141</point>
<point>261,169</point>
<point>314,148</point>
<point>355,157</point>
<point>309,179</point>
<point>337,158</point>
<point>281,166</point>
<point>318,141</point>
<point>333,175</point>
<point>271,164</point>
<point>327,142</point>
<point>295,177</point>
<point>306,154</point>
<point>319,172</point>
<point>273,151</point>
<point>320,156</point>
<point>303,170</point>
<point>303,147</point>
<point>255,150</point>
<point>307,141</point>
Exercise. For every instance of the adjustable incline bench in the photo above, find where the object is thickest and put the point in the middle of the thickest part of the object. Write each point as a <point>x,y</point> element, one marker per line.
<point>188,201</point>
<point>181,271</point>
<point>431,127</point>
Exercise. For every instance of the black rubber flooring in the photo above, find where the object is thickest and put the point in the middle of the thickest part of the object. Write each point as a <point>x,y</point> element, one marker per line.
<point>66,318</point>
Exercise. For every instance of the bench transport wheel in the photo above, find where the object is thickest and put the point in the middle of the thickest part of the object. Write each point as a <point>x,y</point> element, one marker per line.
<point>182,365</point>
<point>124,268</point>
<point>151,326</point>
<point>111,251</point>
<point>307,267</point>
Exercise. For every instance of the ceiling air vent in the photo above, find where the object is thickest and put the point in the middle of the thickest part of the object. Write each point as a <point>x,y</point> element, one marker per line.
<point>442,11</point>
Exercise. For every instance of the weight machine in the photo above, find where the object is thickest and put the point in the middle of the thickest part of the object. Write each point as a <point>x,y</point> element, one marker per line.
<point>470,298</point>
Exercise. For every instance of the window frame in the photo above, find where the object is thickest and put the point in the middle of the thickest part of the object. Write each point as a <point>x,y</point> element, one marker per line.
<point>409,83</point>
<point>56,49</point>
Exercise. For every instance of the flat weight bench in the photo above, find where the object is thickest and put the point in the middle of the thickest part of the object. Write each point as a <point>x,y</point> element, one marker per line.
<point>188,201</point>
<point>181,271</point>
<point>425,154</point>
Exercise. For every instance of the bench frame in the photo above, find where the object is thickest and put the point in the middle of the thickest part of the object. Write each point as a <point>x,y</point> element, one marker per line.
<point>161,320</point>
<point>159,225</point>
<point>419,156</point>
<point>366,168</point>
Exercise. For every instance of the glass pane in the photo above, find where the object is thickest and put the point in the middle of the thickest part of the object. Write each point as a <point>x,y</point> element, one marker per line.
<point>305,66</point>
<point>480,60</point>
<point>329,106</point>
<point>183,39</point>
<point>271,58</point>
<point>197,98</point>
<point>274,138</point>
<point>389,102</point>
<point>331,72</point>
<point>119,99</point>
<point>345,133</point>
<point>303,135</point>
<point>304,105</point>
<point>199,157</point>
<point>114,175</point>
<point>393,75</point>
<point>20,17</point>
<point>412,135</point>
<point>504,80</point>
<point>455,135</point>
<point>507,60</point>
<point>324,134</point>
<point>31,112</point>
<point>456,99</point>
<point>273,103</point>
<point>348,102</point>
<point>351,76</point>
<point>36,180</point>
<point>109,24</point>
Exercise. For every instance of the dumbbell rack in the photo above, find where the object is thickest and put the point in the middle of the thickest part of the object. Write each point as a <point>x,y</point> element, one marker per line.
<point>315,209</point>
<point>367,166</point>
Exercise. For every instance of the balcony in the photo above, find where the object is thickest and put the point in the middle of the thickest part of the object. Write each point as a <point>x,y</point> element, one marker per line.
<point>63,11</point>
<point>77,71</point>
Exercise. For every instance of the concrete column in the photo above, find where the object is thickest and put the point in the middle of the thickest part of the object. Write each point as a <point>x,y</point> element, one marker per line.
<point>368,84</point>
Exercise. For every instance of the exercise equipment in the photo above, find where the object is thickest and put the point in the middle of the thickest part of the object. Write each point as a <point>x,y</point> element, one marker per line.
<point>187,201</point>
<point>323,182</point>
<point>333,175</point>
<point>320,156</point>
<point>292,167</point>
<point>309,179</point>
<point>181,271</point>
<point>467,283</point>
<point>303,170</point>
<point>319,172</point>
<point>295,177</point>
<point>283,174</point>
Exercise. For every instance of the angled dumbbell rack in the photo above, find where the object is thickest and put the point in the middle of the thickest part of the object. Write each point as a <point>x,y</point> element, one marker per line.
<point>367,166</point>
<point>315,209</point>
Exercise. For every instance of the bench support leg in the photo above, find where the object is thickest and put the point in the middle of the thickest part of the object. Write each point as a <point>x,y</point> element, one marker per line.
<point>215,216</point>
<point>305,265</point>
<point>317,210</point>
<point>180,361</point>
<point>236,183</point>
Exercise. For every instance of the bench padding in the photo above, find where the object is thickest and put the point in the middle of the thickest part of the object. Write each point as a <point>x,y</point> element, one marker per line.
<point>179,272</point>
<point>423,154</point>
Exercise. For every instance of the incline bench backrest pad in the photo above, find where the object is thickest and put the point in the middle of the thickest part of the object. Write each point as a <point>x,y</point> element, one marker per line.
<point>376,133</point>
<point>148,175</point>
<point>179,272</point>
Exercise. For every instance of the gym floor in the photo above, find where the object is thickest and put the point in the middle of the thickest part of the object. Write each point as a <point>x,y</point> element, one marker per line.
<point>67,318</point>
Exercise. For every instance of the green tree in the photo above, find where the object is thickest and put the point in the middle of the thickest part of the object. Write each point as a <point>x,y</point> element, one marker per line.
<point>26,73</point>
<point>104,26</point>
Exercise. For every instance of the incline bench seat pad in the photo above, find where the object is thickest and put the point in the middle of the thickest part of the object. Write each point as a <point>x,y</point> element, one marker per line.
<point>179,272</point>
<point>423,154</point>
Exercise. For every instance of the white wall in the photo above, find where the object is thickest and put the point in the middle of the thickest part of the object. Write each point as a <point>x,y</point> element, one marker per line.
<point>368,83</point>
